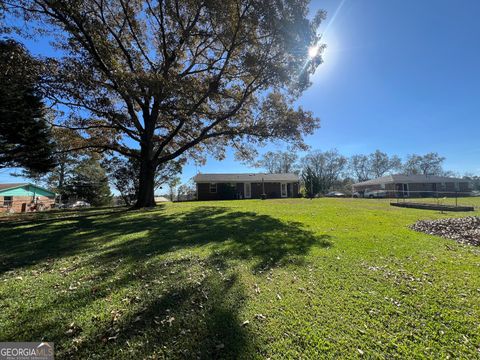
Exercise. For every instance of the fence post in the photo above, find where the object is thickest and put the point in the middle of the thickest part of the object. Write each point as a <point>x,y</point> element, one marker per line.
<point>456,198</point>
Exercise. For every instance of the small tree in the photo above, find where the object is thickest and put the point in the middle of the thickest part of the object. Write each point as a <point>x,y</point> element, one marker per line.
<point>311,182</point>
<point>186,191</point>
<point>322,169</point>
<point>475,180</point>
<point>90,183</point>
<point>179,78</point>
<point>65,161</point>
<point>172,183</point>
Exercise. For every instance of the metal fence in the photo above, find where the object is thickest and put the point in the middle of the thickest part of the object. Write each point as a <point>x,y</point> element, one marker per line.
<point>450,198</point>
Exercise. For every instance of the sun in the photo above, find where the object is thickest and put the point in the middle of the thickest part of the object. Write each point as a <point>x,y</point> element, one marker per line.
<point>313,51</point>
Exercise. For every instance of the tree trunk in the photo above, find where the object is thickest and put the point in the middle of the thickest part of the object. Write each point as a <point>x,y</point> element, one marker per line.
<point>146,180</point>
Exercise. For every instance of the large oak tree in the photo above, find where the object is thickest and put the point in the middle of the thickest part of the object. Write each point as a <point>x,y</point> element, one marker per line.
<point>161,79</point>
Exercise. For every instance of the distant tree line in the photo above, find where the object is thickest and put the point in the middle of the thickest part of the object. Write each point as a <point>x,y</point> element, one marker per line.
<point>323,171</point>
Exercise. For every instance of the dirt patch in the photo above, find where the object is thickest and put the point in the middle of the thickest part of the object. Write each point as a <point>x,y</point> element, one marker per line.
<point>463,230</point>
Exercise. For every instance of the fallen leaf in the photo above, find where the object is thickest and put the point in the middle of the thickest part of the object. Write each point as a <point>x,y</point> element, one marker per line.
<point>260,316</point>
<point>73,330</point>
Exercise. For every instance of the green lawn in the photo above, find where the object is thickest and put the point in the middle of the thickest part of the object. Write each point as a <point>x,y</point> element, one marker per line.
<point>323,278</point>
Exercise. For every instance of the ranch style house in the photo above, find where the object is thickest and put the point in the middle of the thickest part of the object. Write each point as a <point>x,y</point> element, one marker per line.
<point>246,186</point>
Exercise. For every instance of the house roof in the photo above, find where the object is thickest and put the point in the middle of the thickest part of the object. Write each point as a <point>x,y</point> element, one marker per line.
<point>408,179</point>
<point>257,177</point>
<point>11,186</point>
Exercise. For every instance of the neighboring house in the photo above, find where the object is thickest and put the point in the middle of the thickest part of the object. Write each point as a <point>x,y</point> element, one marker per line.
<point>246,186</point>
<point>25,197</point>
<point>415,186</point>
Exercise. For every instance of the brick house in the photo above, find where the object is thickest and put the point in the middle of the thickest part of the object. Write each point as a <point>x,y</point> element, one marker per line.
<point>246,186</point>
<point>415,186</point>
<point>24,197</point>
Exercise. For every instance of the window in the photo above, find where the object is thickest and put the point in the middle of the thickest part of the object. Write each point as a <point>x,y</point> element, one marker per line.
<point>7,200</point>
<point>247,190</point>
<point>213,188</point>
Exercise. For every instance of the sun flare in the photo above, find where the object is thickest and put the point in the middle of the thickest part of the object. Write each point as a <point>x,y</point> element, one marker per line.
<point>313,51</point>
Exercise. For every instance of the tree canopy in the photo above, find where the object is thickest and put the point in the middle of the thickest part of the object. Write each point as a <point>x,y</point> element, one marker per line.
<point>277,162</point>
<point>25,138</point>
<point>88,182</point>
<point>374,165</point>
<point>428,164</point>
<point>179,78</point>
<point>321,170</point>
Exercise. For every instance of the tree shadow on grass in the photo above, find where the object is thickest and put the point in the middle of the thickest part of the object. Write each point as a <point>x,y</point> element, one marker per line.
<point>173,306</point>
<point>237,235</point>
<point>180,308</point>
<point>31,239</point>
<point>243,235</point>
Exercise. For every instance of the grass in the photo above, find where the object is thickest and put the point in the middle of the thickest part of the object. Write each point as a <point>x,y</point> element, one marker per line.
<point>293,278</point>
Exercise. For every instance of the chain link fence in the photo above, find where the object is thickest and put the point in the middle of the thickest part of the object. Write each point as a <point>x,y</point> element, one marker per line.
<point>438,198</point>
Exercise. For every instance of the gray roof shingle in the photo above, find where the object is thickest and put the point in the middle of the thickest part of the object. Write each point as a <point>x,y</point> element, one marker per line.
<point>245,177</point>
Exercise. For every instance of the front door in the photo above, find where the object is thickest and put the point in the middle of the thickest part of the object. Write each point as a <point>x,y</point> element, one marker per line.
<point>283,190</point>
<point>247,190</point>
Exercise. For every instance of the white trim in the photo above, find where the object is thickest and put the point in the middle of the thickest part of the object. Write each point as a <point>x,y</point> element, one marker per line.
<point>245,190</point>
<point>282,194</point>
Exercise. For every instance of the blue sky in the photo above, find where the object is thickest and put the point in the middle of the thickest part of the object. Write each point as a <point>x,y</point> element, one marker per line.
<point>402,76</point>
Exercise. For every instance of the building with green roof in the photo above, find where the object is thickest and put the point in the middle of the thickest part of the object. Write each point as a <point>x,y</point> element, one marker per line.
<point>25,197</point>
